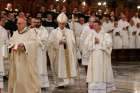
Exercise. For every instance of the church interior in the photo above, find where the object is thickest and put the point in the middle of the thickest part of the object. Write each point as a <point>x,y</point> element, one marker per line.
<point>125,56</point>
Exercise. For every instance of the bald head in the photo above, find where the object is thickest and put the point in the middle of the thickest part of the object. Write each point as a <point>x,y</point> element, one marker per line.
<point>21,23</point>
<point>9,6</point>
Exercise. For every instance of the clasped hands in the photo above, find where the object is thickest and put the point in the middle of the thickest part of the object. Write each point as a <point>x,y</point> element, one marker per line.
<point>97,41</point>
<point>20,46</point>
<point>63,41</point>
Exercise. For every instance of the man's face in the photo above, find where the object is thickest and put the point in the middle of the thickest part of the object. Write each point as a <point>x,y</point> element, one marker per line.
<point>51,6</point>
<point>82,20</point>
<point>4,14</point>
<point>107,19</point>
<point>123,17</point>
<point>9,6</point>
<point>91,24</point>
<point>38,23</point>
<point>21,24</point>
<point>39,15</point>
<point>33,22</point>
<point>42,9</point>
<point>112,13</point>
<point>21,14</point>
<point>75,10</point>
<point>11,16</point>
<point>2,21</point>
<point>49,17</point>
<point>97,27</point>
<point>62,25</point>
<point>64,9</point>
<point>27,15</point>
<point>137,14</point>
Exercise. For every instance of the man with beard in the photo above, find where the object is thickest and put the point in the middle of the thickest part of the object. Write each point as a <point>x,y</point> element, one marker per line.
<point>42,38</point>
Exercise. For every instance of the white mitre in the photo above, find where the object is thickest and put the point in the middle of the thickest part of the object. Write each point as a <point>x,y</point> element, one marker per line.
<point>62,18</point>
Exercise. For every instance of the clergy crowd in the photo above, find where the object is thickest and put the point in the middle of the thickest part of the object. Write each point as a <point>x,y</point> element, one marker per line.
<point>28,42</point>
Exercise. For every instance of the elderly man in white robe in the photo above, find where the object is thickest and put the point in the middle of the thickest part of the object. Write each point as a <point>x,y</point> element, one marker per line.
<point>23,75</point>
<point>138,35</point>
<point>117,38</point>
<point>42,37</point>
<point>63,53</point>
<point>3,50</point>
<point>100,75</point>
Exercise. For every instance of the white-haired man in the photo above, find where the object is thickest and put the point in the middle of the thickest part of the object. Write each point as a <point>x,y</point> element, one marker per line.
<point>23,74</point>
<point>62,53</point>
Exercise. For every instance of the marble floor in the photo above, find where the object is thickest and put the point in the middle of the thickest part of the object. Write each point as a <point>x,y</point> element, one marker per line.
<point>127,79</point>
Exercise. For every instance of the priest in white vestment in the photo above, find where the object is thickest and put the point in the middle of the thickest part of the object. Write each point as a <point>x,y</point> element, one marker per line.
<point>49,29</point>
<point>77,30</point>
<point>125,38</point>
<point>49,23</point>
<point>63,53</point>
<point>33,23</point>
<point>108,25</point>
<point>23,75</point>
<point>138,35</point>
<point>132,35</point>
<point>136,18</point>
<point>82,25</point>
<point>87,29</point>
<point>3,50</point>
<point>100,75</point>
<point>117,38</point>
<point>42,37</point>
<point>123,23</point>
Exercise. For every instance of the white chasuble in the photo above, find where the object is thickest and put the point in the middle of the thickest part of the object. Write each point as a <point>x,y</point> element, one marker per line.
<point>100,75</point>
<point>23,75</point>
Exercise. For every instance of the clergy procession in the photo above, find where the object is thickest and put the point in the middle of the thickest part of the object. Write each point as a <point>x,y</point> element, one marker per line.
<point>47,49</point>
